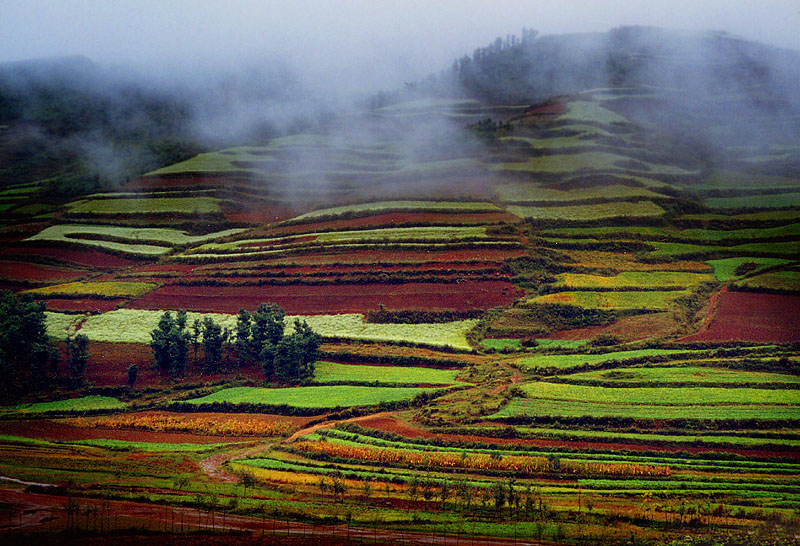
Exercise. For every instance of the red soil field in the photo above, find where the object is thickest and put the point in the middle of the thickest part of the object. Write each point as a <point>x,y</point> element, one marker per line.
<point>400,256</point>
<point>396,219</point>
<point>22,271</point>
<point>53,430</point>
<point>90,305</point>
<point>346,269</point>
<point>750,316</point>
<point>264,215</point>
<point>108,366</point>
<point>85,257</point>
<point>331,299</point>
<point>392,424</point>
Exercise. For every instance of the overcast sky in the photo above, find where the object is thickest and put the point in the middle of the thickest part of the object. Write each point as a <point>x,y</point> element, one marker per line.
<point>384,40</point>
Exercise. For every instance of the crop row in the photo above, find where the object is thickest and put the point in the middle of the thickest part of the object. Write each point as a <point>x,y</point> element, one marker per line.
<point>94,288</point>
<point>212,425</point>
<point>518,464</point>
<point>589,212</point>
<point>631,301</point>
<point>394,206</point>
<point>145,206</point>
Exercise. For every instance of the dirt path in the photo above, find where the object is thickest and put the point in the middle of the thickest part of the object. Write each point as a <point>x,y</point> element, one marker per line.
<point>710,313</point>
<point>331,424</point>
<point>516,378</point>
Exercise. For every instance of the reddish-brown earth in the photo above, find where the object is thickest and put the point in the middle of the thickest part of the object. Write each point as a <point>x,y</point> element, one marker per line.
<point>22,271</point>
<point>331,299</point>
<point>83,257</point>
<point>84,305</point>
<point>749,316</point>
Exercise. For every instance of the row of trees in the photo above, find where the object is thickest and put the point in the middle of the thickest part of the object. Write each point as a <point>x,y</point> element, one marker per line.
<point>259,339</point>
<point>29,361</point>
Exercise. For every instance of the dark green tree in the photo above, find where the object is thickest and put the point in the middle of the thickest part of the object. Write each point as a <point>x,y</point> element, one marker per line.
<point>267,326</point>
<point>242,345</point>
<point>213,340</point>
<point>25,349</point>
<point>133,374</point>
<point>170,343</point>
<point>77,357</point>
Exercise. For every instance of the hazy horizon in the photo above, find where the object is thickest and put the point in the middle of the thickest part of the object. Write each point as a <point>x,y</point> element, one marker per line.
<point>344,45</point>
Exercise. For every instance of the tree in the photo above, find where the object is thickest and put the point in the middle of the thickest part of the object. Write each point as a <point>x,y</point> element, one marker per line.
<point>170,343</point>
<point>25,348</point>
<point>244,353</point>
<point>133,374</point>
<point>213,340</point>
<point>77,356</point>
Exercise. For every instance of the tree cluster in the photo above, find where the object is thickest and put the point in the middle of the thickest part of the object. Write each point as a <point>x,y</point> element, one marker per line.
<point>258,339</point>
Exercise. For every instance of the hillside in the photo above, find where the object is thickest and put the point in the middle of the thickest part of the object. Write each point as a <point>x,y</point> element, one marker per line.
<point>563,312</point>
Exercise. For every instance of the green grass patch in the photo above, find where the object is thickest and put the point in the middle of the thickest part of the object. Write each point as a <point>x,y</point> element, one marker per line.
<point>312,397</point>
<point>655,300</point>
<point>107,289</point>
<point>770,201</point>
<point>590,111</point>
<point>590,162</point>
<point>632,280</point>
<point>589,212</point>
<point>787,280</point>
<point>85,403</point>
<point>575,360</point>
<point>385,206</point>
<point>330,372</point>
<point>724,268</point>
<point>151,205</point>
<point>687,374</point>
<point>517,192</point>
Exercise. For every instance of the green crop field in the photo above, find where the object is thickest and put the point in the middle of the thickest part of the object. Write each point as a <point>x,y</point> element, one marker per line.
<point>386,206</point>
<point>150,205</point>
<point>687,374</point>
<point>84,403</point>
<point>576,360</point>
<point>724,269</point>
<point>519,193</point>
<point>331,372</point>
<point>311,397</point>
<point>786,281</point>
<point>588,161</point>
<point>778,200</point>
<point>588,212</point>
<point>612,300</point>
<point>107,289</point>
<point>632,280</point>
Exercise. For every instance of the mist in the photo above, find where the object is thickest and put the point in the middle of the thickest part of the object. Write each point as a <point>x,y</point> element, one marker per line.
<point>140,85</point>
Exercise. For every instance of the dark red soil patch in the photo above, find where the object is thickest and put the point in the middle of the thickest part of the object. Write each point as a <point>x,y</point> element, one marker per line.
<point>394,219</point>
<point>90,305</point>
<point>403,256</point>
<point>22,271</point>
<point>749,316</point>
<point>626,329</point>
<point>265,215</point>
<point>331,299</point>
<point>53,430</point>
<point>391,424</point>
<point>109,362</point>
<point>83,257</point>
<point>555,108</point>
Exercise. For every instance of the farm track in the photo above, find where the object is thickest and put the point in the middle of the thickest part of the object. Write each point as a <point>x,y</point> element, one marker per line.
<point>215,465</point>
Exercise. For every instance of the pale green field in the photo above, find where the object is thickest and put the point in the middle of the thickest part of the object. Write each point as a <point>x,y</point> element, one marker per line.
<point>631,279</point>
<point>612,300</point>
<point>786,280</point>
<point>518,192</point>
<point>688,374</point>
<point>86,403</point>
<point>382,206</point>
<point>110,289</point>
<point>329,372</point>
<point>150,205</point>
<point>571,361</point>
<point>723,269</point>
<point>779,200</point>
<point>135,325</point>
<point>590,111</point>
<point>588,212</point>
<point>588,161</point>
<point>312,397</point>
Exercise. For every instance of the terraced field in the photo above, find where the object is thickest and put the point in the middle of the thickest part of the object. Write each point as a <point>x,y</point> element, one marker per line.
<point>559,333</point>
